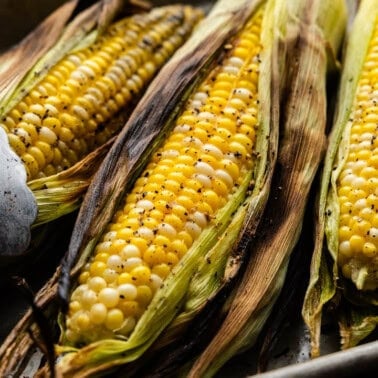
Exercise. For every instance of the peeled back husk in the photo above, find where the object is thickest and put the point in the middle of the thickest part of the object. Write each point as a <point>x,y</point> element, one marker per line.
<point>356,310</point>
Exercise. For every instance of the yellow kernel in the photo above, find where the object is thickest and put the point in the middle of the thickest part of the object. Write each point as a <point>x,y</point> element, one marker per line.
<point>31,164</point>
<point>17,144</point>
<point>144,295</point>
<point>153,255</point>
<point>185,237</point>
<point>129,308</point>
<point>210,197</point>
<point>97,268</point>
<point>356,243</point>
<point>141,275</point>
<point>114,319</point>
<point>171,259</point>
<point>369,249</point>
<point>174,221</point>
<point>140,243</point>
<point>162,270</point>
<point>345,233</point>
<point>82,321</point>
<point>38,156</point>
<point>125,278</point>
<point>84,277</point>
<point>179,247</point>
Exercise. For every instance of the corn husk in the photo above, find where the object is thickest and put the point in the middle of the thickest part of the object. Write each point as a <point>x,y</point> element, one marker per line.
<point>358,315</point>
<point>43,200</point>
<point>310,34</point>
<point>126,159</point>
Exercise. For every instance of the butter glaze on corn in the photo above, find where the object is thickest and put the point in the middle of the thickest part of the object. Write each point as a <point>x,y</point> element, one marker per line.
<point>357,185</point>
<point>66,115</point>
<point>187,181</point>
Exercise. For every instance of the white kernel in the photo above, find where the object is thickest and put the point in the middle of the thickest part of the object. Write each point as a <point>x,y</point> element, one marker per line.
<point>79,76</point>
<point>129,251</point>
<point>51,110</point>
<point>206,115</point>
<point>127,292</point>
<point>345,249</point>
<point>360,204</point>
<point>74,59</point>
<point>132,263</point>
<point>110,236</point>
<point>200,219</point>
<point>203,179</point>
<point>104,247</point>
<point>225,177</point>
<point>156,282</point>
<point>231,70</point>
<point>193,229</point>
<point>348,180</point>
<point>358,182</point>
<point>364,145</point>
<point>190,140</point>
<point>24,135</point>
<point>87,71</point>
<point>115,262</point>
<point>204,168</point>
<point>235,61</point>
<point>80,112</point>
<point>195,104</point>
<point>170,153</point>
<point>167,230</point>
<point>79,291</point>
<point>97,313</point>
<point>213,150</point>
<point>32,118</point>
<point>145,232</point>
<point>145,204</point>
<point>200,96</point>
<point>96,284</point>
<point>109,297</point>
<point>231,156</point>
<point>373,233</point>
<point>366,137</point>
<point>243,94</point>
<point>47,135</point>
<point>182,128</point>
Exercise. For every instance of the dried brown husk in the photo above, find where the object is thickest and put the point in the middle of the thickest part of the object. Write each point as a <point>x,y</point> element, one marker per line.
<point>130,153</point>
<point>356,310</point>
<point>311,32</point>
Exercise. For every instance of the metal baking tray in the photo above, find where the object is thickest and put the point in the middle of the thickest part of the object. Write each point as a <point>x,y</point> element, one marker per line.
<point>290,355</point>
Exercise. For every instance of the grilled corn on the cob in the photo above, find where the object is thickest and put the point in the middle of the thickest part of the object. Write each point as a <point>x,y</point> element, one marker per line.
<point>67,114</point>
<point>347,215</point>
<point>201,164</point>
<point>358,179</point>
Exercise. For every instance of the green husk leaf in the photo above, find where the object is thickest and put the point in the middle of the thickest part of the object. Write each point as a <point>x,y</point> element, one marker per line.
<point>303,65</point>
<point>324,275</point>
<point>356,323</point>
